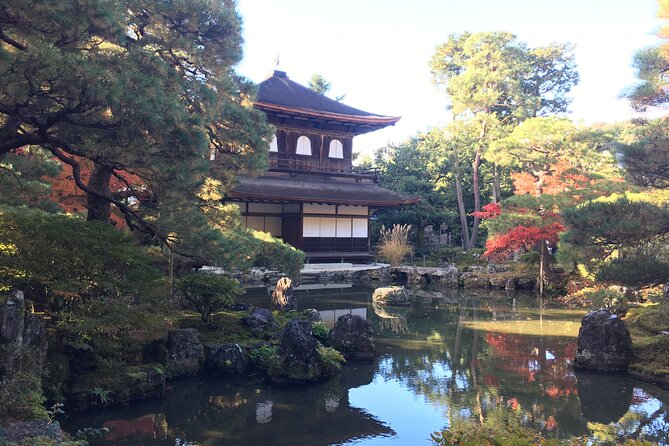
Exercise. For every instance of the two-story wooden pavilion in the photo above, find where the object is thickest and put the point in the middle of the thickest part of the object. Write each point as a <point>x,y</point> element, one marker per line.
<point>312,196</point>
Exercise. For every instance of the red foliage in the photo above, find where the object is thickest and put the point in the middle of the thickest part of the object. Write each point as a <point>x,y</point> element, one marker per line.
<point>522,237</point>
<point>562,177</point>
<point>490,210</point>
<point>71,199</point>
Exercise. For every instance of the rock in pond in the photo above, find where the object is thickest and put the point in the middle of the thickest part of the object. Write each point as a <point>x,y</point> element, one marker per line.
<point>392,295</point>
<point>185,353</point>
<point>352,336</point>
<point>299,361</point>
<point>116,387</point>
<point>23,431</point>
<point>604,344</point>
<point>282,297</point>
<point>227,359</point>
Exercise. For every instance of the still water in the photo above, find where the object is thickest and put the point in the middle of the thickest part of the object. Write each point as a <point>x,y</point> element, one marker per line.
<point>452,357</point>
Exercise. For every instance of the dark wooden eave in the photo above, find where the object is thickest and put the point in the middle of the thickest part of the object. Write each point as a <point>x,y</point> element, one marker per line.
<point>285,101</point>
<point>280,187</point>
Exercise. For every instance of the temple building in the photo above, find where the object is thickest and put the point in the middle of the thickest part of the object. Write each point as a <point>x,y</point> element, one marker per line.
<point>312,196</point>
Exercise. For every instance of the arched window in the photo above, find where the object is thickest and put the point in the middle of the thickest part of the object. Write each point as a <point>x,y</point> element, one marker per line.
<point>274,145</point>
<point>303,146</point>
<point>336,149</point>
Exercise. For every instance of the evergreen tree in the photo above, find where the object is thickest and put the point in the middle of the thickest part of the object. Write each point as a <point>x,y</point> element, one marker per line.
<point>140,100</point>
<point>495,82</point>
<point>622,237</point>
<point>319,84</point>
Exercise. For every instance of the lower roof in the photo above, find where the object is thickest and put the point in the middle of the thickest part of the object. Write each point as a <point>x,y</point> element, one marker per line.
<point>281,187</point>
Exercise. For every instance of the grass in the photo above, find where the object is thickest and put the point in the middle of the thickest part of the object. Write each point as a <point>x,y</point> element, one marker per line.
<point>650,347</point>
<point>225,327</point>
<point>394,244</point>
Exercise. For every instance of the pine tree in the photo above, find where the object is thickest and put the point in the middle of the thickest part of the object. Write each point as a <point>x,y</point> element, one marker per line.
<point>140,101</point>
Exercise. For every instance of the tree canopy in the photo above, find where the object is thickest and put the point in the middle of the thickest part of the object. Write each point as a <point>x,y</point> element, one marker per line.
<point>494,82</point>
<point>139,102</point>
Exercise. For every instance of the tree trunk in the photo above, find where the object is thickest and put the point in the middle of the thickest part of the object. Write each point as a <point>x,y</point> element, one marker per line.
<point>99,208</point>
<point>462,212</point>
<point>420,234</point>
<point>543,266</point>
<point>476,183</point>
<point>496,187</point>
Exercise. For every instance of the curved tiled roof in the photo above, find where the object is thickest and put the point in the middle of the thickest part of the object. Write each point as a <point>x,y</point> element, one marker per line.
<point>315,189</point>
<point>279,93</point>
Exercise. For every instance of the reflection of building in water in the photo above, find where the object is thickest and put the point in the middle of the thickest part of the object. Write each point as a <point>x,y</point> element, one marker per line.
<point>330,316</point>
<point>264,412</point>
<point>331,403</point>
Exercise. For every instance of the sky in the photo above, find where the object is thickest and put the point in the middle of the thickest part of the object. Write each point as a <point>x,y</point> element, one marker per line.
<point>377,52</point>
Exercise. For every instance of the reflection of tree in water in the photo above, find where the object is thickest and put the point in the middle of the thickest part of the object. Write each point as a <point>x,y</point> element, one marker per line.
<point>477,374</point>
<point>606,401</point>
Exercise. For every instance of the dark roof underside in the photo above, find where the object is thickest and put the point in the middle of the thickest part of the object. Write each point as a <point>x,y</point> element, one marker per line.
<point>315,189</point>
<point>280,91</point>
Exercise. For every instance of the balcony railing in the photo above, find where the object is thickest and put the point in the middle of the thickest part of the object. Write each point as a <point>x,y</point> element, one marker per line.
<point>297,165</point>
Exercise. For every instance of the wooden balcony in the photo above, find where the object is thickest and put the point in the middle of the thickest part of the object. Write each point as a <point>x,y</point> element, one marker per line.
<point>301,165</point>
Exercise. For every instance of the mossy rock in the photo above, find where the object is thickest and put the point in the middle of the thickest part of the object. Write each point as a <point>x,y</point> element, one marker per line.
<point>651,345</point>
<point>114,387</point>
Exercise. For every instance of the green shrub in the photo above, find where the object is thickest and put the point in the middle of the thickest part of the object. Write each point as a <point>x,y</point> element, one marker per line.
<point>265,356</point>
<point>114,329</point>
<point>480,436</point>
<point>332,358</point>
<point>21,390</point>
<point>612,300</point>
<point>49,255</point>
<point>530,258</point>
<point>206,293</point>
<point>320,331</point>
<point>476,435</point>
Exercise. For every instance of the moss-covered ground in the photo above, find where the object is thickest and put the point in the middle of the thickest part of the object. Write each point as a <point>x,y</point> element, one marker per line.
<point>646,324</point>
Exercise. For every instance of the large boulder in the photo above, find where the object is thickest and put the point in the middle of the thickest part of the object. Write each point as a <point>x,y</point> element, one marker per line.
<point>299,360</point>
<point>282,297</point>
<point>392,295</point>
<point>20,331</point>
<point>259,321</point>
<point>12,315</point>
<point>35,430</point>
<point>227,359</point>
<point>352,336</point>
<point>604,344</point>
<point>185,353</point>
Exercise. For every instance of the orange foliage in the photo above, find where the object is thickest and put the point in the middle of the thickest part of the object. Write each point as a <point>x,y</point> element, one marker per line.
<point>663,13</point>
<point>560,178</point>
<point>71,199</point>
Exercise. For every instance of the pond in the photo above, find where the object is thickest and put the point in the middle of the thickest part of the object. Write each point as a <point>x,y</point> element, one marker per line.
<point>453,356</point>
